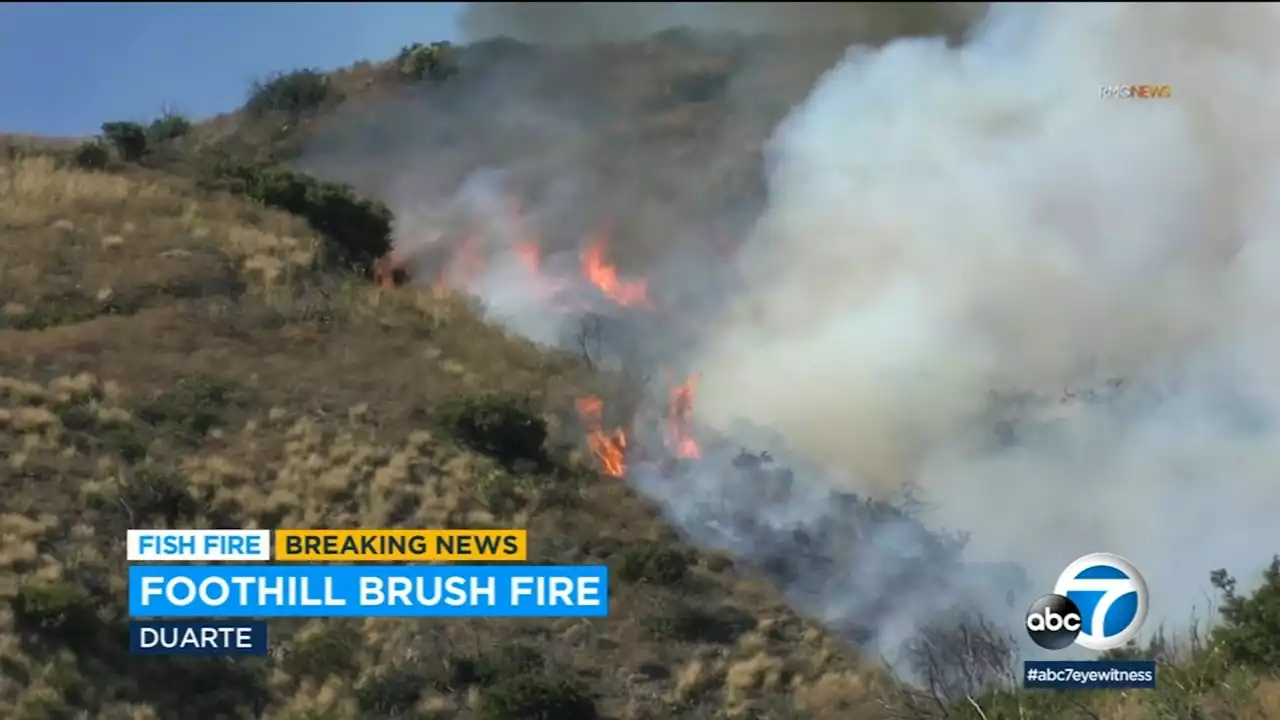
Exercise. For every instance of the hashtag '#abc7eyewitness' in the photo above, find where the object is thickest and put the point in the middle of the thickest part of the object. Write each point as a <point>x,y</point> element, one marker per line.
<point>1099,602</point>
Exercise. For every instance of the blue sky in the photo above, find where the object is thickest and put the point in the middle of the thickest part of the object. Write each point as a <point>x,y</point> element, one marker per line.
<point>65,68</point>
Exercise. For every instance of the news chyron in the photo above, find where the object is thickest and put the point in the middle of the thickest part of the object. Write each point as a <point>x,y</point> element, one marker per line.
<point>1099,603</point>
<point>212,592</point>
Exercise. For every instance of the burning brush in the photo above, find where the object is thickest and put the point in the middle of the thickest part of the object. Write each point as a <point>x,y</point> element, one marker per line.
<point>609,446</point>
<point>679,438</point>
<point>595,280</point>
<point>815,541</point>
<point>460,266</point>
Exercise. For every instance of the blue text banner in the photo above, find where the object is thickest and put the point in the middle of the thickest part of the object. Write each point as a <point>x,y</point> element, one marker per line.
<point>235,591</point>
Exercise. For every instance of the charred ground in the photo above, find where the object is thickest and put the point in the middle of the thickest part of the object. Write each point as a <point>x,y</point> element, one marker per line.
<point>176,350</point>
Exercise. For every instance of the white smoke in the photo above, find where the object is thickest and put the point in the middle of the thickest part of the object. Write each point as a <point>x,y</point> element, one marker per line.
<point>943,222</point>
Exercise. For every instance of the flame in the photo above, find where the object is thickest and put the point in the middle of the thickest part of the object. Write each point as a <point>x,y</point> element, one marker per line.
<point>385,268</point>
<point>530,254</point>
<point>679,438</point>
<point>531,257</point>
<point>599,272</point>
<point>528,247</point>
<point>609,447</point>
<point>463,267</point>
<point>467,264</point>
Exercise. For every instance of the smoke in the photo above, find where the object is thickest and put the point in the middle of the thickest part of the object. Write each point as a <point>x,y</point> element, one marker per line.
<point>574,23</point>
<point>943,223</point>
<point>965,276</point>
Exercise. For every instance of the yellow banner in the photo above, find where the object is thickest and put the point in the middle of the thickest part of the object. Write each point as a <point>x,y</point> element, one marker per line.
<point>401,545</point>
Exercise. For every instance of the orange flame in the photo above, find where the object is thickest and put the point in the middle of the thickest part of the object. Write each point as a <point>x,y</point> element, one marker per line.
<point>609,447</point>
<point>602,274</point>
<point>679,438</point>
<point>528,248</point>
<point>385,269</point>
<point>467,263</point>
<point>530,254</point>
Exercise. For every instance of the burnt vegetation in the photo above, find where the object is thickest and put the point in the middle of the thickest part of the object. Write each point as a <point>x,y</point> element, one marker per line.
<point>231,365</point>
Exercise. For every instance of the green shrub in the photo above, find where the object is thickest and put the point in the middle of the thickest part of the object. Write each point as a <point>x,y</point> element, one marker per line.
<point>502,426</point>
<point>698,87</point>
<point>293,94</point>
<point>1249,631</point>
<point>217,168</point>
<point>391,691</point>
<point>169,126</point>
<point>535,697</point>
<point>655,563</point>
<point>436,61</point>
<point>128,138</point>
<point>152,495</point>
<point>129,442</point>
<point>190,409</point>
<point>77,417</point>
<point>194,687</point>
<point>502,497</point>
<point>357,230</point>
<point>679,620</point>
<point>329,652</point>
<point>58,606</point>
<point>507,661</point>
<point>91,155</point>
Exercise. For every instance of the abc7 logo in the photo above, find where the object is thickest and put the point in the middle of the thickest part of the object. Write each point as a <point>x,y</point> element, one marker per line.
<point>1117,597</point>
<point>1054,622</point>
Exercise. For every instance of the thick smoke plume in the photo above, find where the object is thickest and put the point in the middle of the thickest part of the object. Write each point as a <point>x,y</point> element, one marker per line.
<point>962,276</point>
<point>945,223</point>
<point>572,23</point>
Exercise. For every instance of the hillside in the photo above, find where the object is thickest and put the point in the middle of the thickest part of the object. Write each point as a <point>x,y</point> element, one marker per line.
<point>178,351</point>
<point>177,361</point>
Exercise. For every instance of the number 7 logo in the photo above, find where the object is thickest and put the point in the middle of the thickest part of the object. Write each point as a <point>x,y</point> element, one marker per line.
<point>1111,595</point>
